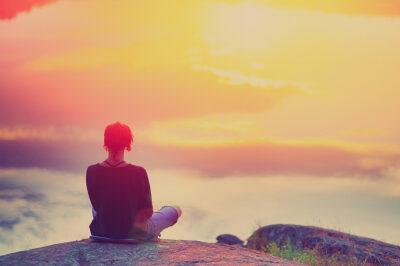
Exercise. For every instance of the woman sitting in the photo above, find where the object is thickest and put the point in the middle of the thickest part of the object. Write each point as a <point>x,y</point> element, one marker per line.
<point>120,193</point>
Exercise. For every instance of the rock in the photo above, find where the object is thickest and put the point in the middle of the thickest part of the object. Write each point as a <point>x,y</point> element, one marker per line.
<point>161,252</point>
<point>229,240</point>
<point>327,243</point>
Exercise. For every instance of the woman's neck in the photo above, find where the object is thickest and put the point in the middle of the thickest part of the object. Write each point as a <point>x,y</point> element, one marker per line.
<point>115,157</point>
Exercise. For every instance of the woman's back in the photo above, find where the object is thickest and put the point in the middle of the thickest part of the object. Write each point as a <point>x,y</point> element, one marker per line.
<point>121,197</point>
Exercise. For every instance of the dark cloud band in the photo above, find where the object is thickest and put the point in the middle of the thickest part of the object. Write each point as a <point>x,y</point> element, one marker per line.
<point>218,161</point>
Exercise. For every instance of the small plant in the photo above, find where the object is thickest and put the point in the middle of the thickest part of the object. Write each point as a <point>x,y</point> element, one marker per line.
<point>287,252</point>
<point>308,256</point>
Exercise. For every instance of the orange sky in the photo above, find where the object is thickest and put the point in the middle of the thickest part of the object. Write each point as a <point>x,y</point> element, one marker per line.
<point>281,111</point>
<point>314,84</point>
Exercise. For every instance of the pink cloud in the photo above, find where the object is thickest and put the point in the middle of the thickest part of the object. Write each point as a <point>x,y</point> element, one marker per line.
<point>355,7</point>
<point>273,159</point>
<point>223,161</point>
<point>9,9</point>
<point>97,96</point>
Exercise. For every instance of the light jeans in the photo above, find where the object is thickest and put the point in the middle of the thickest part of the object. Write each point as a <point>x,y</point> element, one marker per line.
<point>161,219</point>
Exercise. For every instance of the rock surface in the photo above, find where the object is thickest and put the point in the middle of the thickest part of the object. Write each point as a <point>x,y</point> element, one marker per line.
<point>161,252</point>
<point>349,248</point>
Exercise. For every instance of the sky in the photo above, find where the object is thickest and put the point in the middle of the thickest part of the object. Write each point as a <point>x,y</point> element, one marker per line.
<point>244,113</point>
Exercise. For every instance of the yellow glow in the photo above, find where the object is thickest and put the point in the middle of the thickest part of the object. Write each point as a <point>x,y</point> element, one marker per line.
<point>364,131</point>
<point>207,73</point>
<point>48,133</point>
<point>244,99</point>
<point>241,129</point>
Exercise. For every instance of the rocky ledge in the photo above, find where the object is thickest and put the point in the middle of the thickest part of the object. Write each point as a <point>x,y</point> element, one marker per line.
<point>161,252</point>
<point>349,249</point>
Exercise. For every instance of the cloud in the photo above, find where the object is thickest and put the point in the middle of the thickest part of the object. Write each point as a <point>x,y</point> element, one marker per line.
<point>10,191</point>
<point>390,8</point>
<point>274,158</point>
<point>234,78</point>
<point>268,157</point>
<point>10,9</point>
<point>33,207</point>
<point>8,224</point>
<point>60,154</point>
<point>16,196</point>
<point>222,145</point>
<point>363,132</point>
<point>48,133</point>
<point>214,145</point>
<point>83,99</point>
<point>64,212</point>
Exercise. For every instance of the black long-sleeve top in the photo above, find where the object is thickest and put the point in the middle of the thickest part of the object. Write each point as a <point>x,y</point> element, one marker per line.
<point>121,197</point>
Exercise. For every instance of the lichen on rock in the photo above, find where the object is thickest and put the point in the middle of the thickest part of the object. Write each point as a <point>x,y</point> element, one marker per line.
<point>161,252</point>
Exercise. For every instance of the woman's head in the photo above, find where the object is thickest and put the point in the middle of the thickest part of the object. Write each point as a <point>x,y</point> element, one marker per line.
<point>117,136</point>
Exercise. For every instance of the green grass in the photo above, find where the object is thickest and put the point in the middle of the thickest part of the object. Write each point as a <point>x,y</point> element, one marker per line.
<point>307,256</point>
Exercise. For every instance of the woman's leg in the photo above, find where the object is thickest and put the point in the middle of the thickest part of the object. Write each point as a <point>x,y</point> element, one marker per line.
<point>165,217</point>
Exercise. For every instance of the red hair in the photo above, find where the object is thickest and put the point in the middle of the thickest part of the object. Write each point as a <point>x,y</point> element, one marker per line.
<point>117,136</point>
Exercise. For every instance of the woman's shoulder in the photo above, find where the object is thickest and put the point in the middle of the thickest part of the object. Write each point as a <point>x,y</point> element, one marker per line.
<point>91,168</point>
<point>130,166</point>
<point>137,167</point>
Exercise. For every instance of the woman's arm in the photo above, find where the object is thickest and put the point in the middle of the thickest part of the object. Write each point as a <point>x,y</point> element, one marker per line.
<point>90,186</point>
<point>147,203</point>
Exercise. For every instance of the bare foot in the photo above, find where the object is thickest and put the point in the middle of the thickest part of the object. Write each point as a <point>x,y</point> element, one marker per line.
<point>178,209</point>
